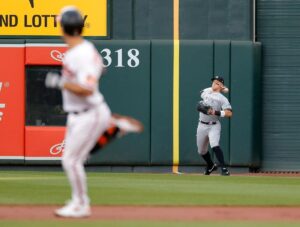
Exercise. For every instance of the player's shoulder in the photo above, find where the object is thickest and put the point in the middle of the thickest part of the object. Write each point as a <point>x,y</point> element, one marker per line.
<point>86,48</point>
<point>83,52</point>
<point>223,98</point>
<point>207,90</point>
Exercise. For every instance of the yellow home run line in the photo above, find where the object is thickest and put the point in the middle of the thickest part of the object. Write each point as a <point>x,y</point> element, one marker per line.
<point>176,86</point>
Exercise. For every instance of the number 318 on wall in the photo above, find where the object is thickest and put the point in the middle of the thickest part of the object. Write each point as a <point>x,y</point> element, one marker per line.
<point>132,58</point>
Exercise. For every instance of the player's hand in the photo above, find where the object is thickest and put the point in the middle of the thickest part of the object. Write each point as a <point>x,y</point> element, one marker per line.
<point>53,80</point>
<point>225,89</point>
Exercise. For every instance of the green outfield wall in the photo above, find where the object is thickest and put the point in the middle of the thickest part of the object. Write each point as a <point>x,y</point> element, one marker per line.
<point>199,19</point>
<point>239,63</point>
<point>215,39</point>
<point>139,82</point>
<point>138,51</point>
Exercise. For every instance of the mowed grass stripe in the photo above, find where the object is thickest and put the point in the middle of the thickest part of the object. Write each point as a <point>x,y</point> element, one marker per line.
<point>151,189</point>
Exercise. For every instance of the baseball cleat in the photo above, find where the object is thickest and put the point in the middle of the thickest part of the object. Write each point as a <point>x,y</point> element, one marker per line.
<point>225,172</point>
<point>210,169</point>
<point>127,124</point>
<point>73,211</point>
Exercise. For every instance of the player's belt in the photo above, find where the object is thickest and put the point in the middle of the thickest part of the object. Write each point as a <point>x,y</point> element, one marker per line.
<point>209,123</point>
<point>84,110</point>
<point>79,112</point>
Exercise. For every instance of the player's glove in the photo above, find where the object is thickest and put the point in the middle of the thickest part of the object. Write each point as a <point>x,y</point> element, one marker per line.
<point>54,80</point>
<point>204,108</point>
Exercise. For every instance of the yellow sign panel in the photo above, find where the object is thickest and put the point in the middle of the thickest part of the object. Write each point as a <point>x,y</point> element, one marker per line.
<point>37,17</point>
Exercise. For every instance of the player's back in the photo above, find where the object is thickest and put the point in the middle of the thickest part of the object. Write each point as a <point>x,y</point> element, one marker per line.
<point>83,66</point>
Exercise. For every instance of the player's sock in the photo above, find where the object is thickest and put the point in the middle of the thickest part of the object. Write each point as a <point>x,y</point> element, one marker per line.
<point>219,154</point>
<point>109,135</point>
<point>207,158</point>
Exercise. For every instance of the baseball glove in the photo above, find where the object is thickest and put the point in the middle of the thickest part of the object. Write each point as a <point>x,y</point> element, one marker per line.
<point>203,108</point>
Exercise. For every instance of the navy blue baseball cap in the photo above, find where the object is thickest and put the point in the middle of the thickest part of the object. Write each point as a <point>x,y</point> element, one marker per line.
<point>218,78</point>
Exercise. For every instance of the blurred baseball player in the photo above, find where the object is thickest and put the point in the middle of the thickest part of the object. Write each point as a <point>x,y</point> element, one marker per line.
<point>213,106</point>
<point>90,124</point>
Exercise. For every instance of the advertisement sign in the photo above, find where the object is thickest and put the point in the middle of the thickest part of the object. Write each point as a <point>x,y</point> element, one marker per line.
<point>12,96</point>
<point>44,143</point>
<point>38,17</point>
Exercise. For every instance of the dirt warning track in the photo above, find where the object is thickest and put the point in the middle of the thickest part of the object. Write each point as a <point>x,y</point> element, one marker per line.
<point>158,213</point>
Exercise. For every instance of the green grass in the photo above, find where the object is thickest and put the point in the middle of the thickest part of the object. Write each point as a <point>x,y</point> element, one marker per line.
<point>144,224</point>
<point>18,187</point>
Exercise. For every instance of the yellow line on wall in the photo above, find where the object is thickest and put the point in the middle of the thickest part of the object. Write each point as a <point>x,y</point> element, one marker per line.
<point>176,86</point>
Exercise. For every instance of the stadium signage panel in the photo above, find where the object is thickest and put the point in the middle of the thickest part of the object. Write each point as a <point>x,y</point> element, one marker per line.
<point>38,17</point>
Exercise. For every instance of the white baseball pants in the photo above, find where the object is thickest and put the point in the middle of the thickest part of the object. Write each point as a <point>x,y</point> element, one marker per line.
<point>208,134</point>
<point>83,131</point>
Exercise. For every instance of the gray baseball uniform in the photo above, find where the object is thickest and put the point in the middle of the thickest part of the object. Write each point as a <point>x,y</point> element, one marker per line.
<point>209,127</point>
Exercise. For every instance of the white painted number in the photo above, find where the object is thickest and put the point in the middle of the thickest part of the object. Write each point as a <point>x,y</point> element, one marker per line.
<point>107,57</point>
<point>132,54</point>
<point>120,58</point>
<point>133,60</point>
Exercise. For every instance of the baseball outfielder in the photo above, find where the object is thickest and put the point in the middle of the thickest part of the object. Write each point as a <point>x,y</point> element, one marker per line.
<point>90,124</point>
<point>213,106</point>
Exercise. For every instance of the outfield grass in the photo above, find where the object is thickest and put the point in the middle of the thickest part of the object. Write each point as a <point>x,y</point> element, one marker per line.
<point>18,187</point>
<point>144,224</point>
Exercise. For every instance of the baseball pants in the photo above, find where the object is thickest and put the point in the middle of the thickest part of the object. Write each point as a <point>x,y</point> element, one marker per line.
<point>208,134</point>
<point>83,131</point>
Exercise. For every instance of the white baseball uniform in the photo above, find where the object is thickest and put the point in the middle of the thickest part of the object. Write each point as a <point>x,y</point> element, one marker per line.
<point>209,127</point>
<point>88,116</point>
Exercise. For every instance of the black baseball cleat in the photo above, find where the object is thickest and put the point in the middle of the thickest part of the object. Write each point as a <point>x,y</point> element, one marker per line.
<point>210,169</point>
<point>225,172</point>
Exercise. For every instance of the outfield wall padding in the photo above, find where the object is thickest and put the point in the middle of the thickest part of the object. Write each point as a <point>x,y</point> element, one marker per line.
<point>139,83</point>
<point>127,91</point>
<point>245,127</point>
<point>196,69</point>
<point>161,102</point>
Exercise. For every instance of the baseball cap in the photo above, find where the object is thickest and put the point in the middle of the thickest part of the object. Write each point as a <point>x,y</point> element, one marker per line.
<point>71,21</point>
<point>218,78</point>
